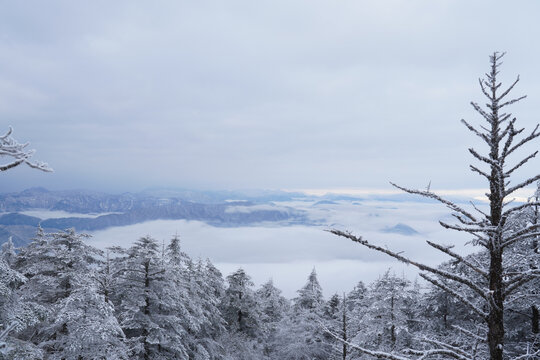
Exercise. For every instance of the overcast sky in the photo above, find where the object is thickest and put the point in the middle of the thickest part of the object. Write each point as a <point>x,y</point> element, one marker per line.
<point>256,94</point>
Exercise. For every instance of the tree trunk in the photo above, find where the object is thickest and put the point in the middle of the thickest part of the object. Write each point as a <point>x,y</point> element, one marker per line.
<point>496,198</point>
<point>344,322</point>
<point>534,319</point>
<point>496,312</point>
<point>146,309</point>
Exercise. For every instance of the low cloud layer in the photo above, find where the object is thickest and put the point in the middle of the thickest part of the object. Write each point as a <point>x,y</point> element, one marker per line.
<point>288,253</point>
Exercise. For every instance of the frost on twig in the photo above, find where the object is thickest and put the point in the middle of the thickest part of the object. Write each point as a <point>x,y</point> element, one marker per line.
<point>409,354</point>
<point>18,154</point>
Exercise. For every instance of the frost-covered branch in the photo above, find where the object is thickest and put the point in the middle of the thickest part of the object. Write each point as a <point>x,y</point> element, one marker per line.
<point>477,170</point>
<point>455,294</point>
<point>520,207</point>
<point>478,133</point>
<point>468,229</point>
<point>508,90</point>
<point>512,101</point>
<point>520,164</point>
<point>481,111</point>
<point>469,333</point>
<point>9,147</point>
<point>534,134</point>
<point>432,195</point>
<point>395,255</point>
<point>528,355</point>
<point>454,349</point>
<point>419,354</point>
<point>523,278</point>
<point>489,161</point>
<point>520,235</point>
<point>4,334</point>
<point>522,185</point>
<point>446,250</point>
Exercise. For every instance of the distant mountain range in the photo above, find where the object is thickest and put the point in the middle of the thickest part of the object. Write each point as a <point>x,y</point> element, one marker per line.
<point>22,212</point>
<point>216,208</point>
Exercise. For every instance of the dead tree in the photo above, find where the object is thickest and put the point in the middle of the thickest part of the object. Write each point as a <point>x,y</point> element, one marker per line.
<point>493,283</point>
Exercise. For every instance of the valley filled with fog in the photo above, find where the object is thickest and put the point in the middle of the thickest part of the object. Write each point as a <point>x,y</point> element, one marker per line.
<point>288,252</point>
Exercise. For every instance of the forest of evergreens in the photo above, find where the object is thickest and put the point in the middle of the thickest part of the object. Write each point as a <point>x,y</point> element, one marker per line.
<point>64,299</point>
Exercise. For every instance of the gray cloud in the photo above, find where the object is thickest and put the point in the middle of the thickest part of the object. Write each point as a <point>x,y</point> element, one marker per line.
<point>126,95</point>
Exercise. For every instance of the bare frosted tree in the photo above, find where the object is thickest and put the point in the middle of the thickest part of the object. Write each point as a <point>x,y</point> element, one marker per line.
<point>18,154</point>
<point>494,284</point>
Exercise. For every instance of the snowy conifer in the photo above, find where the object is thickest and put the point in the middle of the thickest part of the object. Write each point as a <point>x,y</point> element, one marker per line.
<point>239,306</point>
<point>301,335</point>
<point>274,307</point>
<point>148,305</point>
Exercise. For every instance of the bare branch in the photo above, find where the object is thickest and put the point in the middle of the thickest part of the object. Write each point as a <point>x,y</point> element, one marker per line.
<point>484,159</point>
<point>527,356</point>
<point>475,169</point>
<point>469,230</point>
<point>432,195</point>
<point>508,90</point>
<point>461,259</point>
<point>447,346</point>
<point>482,112</point>
<point>532,136</point>
<point>520,207</point>
<point>455,294</point>
<point>11,165</point>
<point>451,351</point>
<point>377,354</point>
<point>521,185</point>
<point>516,284</point>
<point>506,174</point>
<point>512,101</point>
<point>482,86</point>
<point>469,333</point>
<point>460,279</point>
<point>480,211</point>
<point>478,133</point>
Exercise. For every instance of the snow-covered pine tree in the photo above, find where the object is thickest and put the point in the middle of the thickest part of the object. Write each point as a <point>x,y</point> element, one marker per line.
<point>494,285</point>
<point>16,314</point>
<point>147,303</point>
<point>209,287</point>
<point>239,306</point>
<point>11,148</point>
<point>59,268</point>
<point>310,296</point>
<point>243,317</point>
<point>301,334</point>
<point>91,329</point>
<point>273,307</point>
<point>197,309</point>
<point>385,324</point>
